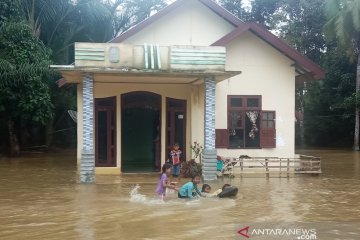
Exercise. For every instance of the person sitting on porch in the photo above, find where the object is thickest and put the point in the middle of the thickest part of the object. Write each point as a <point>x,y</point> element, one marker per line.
<point>175,159</point>
<point>164,182</point>
<point>190,189</point>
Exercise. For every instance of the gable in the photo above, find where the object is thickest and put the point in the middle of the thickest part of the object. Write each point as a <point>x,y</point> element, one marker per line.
<point>190,23</point>
<point>248,50</point>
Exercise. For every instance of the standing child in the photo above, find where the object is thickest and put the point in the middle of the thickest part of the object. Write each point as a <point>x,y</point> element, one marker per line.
<point>175,155</point>
<point>164,181</point>
<point>190,189</point>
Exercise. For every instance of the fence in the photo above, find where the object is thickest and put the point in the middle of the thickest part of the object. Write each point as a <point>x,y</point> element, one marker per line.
<point>272,165</point>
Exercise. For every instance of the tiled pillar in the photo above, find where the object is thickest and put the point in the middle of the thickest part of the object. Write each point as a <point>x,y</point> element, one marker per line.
<point>87,164</point>
<point>209,168</point>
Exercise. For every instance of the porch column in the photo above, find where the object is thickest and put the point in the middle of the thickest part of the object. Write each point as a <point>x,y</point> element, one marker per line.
<point>209,168</point>
<point>87,164</point>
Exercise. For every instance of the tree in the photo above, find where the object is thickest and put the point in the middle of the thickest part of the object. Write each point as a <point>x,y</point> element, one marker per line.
<point>24,94</point>
<point>236,8</point>
<point>344,25</point>
<point>260,11</point>
<point>327,121</point>
<point>300,23</point>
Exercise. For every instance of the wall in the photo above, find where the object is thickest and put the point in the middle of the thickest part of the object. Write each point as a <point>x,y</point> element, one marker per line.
<point>266,72</point>
<point>190,24</point>
<point>197,113</point>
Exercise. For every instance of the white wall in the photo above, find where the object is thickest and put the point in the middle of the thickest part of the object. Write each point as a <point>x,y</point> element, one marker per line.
<point>266,72</point>
<point>190,24</point>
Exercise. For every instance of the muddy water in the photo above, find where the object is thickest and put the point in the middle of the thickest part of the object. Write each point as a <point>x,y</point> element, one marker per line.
<point>41,199</point>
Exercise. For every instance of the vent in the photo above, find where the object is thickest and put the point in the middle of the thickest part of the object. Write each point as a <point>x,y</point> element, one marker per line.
<point>152,58</point>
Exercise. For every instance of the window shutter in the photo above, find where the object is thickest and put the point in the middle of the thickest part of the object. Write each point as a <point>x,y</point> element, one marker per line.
<point>268,134</point>
<point>268,138</point>
<point>221,138</point>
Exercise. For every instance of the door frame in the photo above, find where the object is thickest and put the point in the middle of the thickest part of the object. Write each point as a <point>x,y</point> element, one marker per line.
<point>183,148</point>
<point>122,96</point>
<point>98,107</point>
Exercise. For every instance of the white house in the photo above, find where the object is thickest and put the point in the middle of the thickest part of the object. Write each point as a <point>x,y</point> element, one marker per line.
<point>191,72</point>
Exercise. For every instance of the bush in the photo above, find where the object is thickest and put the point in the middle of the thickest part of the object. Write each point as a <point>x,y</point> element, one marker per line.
<point>191,168</point>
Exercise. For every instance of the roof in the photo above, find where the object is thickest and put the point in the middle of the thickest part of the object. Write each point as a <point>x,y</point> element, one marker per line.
<point>222,12</point>
<point>302,62</point>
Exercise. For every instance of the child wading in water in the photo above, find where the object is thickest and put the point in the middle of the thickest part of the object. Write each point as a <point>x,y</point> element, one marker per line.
<point>164,181</point>
<point>190,189</point>
<point>206,191</point>
<point>175,155</point>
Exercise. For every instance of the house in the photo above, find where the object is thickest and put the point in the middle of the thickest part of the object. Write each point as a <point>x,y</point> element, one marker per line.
<point>191,72</point>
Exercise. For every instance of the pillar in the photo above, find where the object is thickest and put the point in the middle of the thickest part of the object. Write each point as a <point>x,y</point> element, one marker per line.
<point>87,165</point>
<point>209,155</point>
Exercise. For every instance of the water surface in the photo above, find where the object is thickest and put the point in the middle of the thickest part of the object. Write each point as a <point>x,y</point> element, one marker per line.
<point>40,198</point>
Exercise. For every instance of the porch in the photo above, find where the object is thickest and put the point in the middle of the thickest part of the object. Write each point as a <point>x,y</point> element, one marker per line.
<point>134,102</point>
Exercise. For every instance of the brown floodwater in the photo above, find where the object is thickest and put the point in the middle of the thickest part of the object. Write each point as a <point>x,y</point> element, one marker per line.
<point>40,198</point>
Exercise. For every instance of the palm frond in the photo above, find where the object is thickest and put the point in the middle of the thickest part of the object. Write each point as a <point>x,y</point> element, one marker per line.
<point>332,8</point>
<point>355,12</point>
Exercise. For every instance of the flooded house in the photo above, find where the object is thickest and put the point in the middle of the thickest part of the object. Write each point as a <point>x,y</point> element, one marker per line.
<point>191,72</point>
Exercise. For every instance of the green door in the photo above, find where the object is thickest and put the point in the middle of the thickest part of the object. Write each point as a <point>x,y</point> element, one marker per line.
<point>140,132</point>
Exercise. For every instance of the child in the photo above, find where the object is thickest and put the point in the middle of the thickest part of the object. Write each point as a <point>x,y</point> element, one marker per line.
<point>206,189</point>
<point>175,159</point>
<point>190,189</point>
<point>164,181</point>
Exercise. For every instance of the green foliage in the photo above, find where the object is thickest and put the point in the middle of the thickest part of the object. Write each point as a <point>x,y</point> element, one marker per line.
<point>344,24</point>
<point>327,121</point>
<point>236,8</point>
<point>352,102</point>
<point>260,11</point>
<point>300,23</point>
<point>23,92</point>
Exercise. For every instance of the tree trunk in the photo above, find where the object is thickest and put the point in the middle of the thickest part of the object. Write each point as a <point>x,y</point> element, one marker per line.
<point>13,140</point>
<point>356,132</point>
<point>49,133</point>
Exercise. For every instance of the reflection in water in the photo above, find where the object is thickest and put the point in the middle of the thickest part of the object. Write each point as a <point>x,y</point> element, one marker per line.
<point>41,199</point>
<point>84,202</point>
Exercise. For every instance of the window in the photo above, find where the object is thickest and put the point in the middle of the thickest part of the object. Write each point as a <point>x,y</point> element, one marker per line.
<point>243,121</point>
<point>248,125</point>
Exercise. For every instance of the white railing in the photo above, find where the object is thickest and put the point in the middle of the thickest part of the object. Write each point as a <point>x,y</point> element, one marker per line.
<point>272,165</point>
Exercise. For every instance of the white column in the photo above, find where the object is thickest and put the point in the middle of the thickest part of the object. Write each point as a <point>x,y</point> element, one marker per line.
<point>209,168</point>
<point>87,166</point>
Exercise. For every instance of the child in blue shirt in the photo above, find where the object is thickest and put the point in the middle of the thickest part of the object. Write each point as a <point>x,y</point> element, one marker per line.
<point>190,189</point>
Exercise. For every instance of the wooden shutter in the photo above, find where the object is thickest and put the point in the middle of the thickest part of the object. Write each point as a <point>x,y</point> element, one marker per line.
<point>221,138</point>
<point>268,134</point>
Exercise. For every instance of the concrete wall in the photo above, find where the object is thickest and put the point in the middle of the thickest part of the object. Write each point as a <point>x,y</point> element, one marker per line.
<point>266,72</point>
<point>189,24</point>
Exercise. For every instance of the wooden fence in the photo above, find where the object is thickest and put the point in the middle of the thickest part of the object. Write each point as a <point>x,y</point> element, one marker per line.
<point>272,165</point>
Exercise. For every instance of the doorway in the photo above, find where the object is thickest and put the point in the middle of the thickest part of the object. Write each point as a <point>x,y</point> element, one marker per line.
<point>140,132</point>
<point>175,125</point>
<point>105,132</point>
